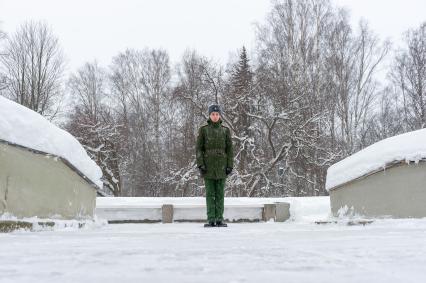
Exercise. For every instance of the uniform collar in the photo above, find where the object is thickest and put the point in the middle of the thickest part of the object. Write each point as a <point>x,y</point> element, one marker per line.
<point>217,124</point>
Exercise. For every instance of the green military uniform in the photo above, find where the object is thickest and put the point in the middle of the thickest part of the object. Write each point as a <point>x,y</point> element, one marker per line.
<point>215,154</point>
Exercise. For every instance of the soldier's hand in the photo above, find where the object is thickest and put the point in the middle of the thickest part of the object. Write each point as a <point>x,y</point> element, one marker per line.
<point>228,170</point>
<point>202,169</point>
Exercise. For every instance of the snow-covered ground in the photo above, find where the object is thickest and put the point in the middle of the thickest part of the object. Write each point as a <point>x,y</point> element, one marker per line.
<point>387,251</point>
<point>293,251</point>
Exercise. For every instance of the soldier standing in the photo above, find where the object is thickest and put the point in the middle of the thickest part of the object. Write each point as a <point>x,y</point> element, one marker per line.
<point>215,162</point>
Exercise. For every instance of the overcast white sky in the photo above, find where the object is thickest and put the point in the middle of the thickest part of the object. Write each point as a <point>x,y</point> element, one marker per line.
<point>90,29</point>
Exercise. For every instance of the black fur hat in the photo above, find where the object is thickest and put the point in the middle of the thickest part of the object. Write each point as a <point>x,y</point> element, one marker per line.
<point>215,108</point>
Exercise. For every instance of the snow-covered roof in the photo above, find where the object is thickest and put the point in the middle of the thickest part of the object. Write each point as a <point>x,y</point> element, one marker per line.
<point>22,126</point>
<point>407,147</point>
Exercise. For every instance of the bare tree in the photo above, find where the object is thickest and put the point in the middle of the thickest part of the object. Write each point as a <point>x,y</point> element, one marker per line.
<point>409,77</point>
<point>127,94</point>
<point>2,77</point>
<point>155,79</point>
<point>2,35</point>
<point>33,67</point>
<point>353,62</point>
<point>387,119</point>
<point>93,123</point>
<point>293,99</point>
<point>140,86</point>
<point>191,97</point>
<point>87,88</point>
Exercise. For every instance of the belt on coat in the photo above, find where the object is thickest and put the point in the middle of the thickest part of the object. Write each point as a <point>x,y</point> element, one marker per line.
<point>215,151</point>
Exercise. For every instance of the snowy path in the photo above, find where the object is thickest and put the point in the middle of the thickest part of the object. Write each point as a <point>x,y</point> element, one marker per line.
<point>386,251</point>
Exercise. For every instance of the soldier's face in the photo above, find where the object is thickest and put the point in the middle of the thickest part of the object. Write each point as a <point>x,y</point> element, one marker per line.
<point>214,116</point>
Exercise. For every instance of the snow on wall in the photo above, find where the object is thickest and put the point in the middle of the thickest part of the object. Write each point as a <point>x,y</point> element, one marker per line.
<point>25,127</point>
<point>407,147</point>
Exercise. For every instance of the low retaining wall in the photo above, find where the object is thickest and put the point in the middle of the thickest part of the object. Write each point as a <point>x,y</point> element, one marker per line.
<point>7,226</point>
<point>397,192</point>
<point>169,213</point>
<point>34,183</point>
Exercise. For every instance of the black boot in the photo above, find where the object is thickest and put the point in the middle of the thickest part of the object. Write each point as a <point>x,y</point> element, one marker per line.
<point>210,224</point>
<point>220,223</point>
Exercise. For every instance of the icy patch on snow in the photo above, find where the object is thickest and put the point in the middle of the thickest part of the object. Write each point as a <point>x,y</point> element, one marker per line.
<point>408,147</point>
<point>25,127</point>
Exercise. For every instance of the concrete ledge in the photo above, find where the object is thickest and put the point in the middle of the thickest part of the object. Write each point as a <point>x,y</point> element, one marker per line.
<point>139,214</point>
<point>169,213</point>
